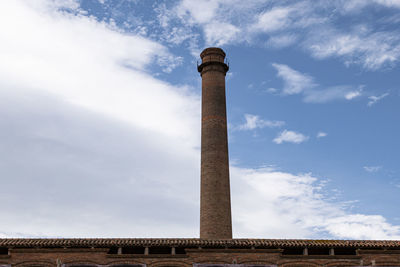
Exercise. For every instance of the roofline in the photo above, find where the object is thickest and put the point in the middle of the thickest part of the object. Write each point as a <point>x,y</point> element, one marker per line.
<point>193,242</point>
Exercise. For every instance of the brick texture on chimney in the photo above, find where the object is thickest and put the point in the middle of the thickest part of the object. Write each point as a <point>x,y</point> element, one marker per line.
<point>215,202</point>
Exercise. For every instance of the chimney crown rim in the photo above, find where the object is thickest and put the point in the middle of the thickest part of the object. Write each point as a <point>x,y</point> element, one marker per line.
<point>212,50</point>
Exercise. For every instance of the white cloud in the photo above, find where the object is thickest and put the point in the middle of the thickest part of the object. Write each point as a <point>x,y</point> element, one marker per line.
<point>374,99</point>
<point>200,11</point>
<point>109,64</point>
<point>360,226</point>
<point>272,20</point>
<point>69,4</point>
<point>272,90</point>
<point>284,18</point>
<point>71,173</point>
<point>321,134</point>
<point>372,168</point>
<point>290,137</point>
<point>372,50</point>
<point>331,93</point>
<point>254,122</point>
<point>358,5</point>
<point>172,32</point>
<point>389,3</point>
<point>220,33</point>
<point>352,94</point>
<point>294,81</point>
<point>238,21</point>
<point>275,204</point>
<point>280,41</point>
<point>82,116</point>
<point>226,22</point>
<point>214,17</point>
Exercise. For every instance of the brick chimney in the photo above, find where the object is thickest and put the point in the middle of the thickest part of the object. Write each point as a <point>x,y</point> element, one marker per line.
<point>215,200</point>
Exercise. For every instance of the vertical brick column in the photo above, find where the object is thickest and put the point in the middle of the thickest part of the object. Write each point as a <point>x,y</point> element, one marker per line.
<point>215,201</point>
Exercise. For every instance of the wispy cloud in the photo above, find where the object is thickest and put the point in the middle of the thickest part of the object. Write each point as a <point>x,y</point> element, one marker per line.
<point>225,22</point>
<point>331,93</point>
<point>272,90</point>
<point>290,137</point>
<point>389,3</point>
<point>321,134</point>
<point>287,18</point>
<point>280,41</point>
<point>220,33</point>
<point>200,12</point>
<point>372,50</point>
<point>255,122</point>
<point>216,18</point>
<point>353,94</point>
<point>296,82</point>
<point>357,5</point>
<point>272,20</point>
<point>374,99</point>
<point>372,168</point>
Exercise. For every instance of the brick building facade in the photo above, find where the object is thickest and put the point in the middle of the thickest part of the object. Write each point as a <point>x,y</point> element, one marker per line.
<point>187,252</point>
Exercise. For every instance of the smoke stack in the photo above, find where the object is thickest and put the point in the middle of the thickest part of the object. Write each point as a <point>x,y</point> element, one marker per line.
<point>215,200</point>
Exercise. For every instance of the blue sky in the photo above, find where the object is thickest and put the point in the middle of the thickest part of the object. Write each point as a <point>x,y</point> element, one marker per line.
<point>100,117</point>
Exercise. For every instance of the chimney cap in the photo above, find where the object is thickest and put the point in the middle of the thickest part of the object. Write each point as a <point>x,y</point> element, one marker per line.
<point>212,50</point>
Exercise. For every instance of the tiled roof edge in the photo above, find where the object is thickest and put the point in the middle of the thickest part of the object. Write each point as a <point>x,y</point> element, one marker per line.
<point>192,242</point>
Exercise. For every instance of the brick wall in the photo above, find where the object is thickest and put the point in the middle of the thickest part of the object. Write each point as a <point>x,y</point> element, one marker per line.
<point>215,201</point>
<point>68,257</point>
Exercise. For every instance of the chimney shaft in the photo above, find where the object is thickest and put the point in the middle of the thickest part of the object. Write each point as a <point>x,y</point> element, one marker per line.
<point>215,201</point>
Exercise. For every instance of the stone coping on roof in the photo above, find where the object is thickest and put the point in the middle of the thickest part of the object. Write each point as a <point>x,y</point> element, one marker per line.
<point>192,242</point>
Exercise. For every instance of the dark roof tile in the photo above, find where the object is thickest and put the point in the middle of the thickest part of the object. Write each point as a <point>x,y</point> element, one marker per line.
<point>109,242</point>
